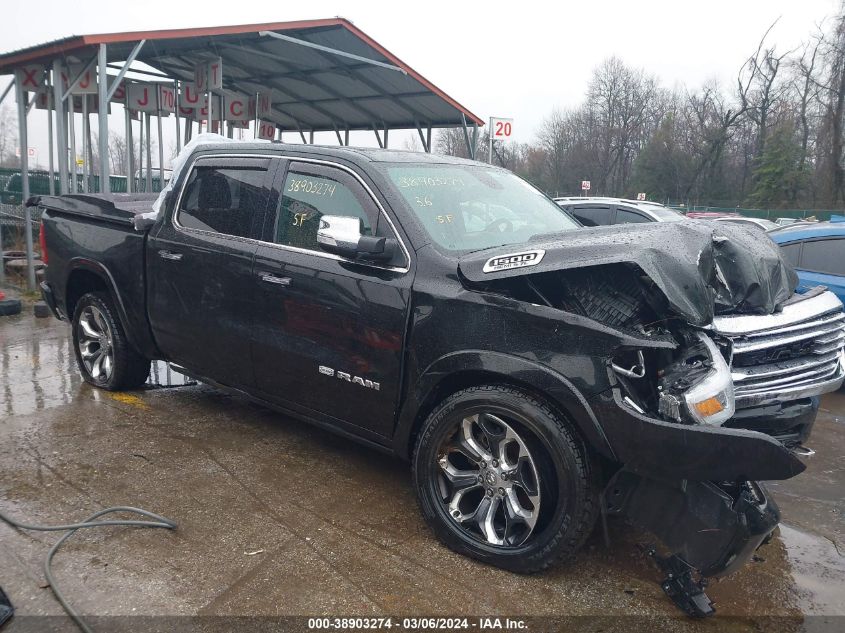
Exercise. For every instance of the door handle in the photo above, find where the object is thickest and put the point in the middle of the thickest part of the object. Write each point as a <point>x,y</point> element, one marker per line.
<point>170,255</point>
<point>272,279</point>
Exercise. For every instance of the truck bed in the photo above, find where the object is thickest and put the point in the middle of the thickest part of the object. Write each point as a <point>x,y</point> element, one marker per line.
<point>117,208</point>
<point>94,234</point>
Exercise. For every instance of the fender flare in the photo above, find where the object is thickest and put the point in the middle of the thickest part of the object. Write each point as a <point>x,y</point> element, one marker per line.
<point>540,379</point>
<point>98,269</point>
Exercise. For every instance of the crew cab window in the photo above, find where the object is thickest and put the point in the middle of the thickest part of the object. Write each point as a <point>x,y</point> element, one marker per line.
<point>312,191</point>
<point>223,199</point>
<point>593,216</point>
<point>623,216</point>
<point>824,256</point>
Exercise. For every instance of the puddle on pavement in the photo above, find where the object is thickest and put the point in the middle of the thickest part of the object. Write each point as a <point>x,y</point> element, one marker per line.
<point>818,570</point>
<point>41,373</point>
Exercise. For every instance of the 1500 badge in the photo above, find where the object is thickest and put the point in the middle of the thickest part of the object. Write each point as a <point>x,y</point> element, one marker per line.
<point>342,375</point>
<point>514,260</point>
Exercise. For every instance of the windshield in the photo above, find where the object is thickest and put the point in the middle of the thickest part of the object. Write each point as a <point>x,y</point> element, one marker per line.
<point>471,207</point>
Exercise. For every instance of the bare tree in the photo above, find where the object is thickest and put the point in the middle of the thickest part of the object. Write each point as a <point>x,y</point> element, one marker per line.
<point>452,142</point>
<point>763,91</point>
<point>8,137</point>
<point>805,85</point>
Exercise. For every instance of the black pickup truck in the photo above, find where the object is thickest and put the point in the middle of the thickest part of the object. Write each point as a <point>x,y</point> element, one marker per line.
<point>537,374</point>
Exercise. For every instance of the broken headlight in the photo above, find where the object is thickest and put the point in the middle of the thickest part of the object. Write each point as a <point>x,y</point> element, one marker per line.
<point>711,401</point>
<point>698,386</point>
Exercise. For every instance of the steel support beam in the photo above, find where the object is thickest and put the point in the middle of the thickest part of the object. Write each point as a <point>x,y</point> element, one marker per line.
<point>470,145</point>
<point>149,180</point>
<point>24,143</point>
<point>178,123</point>
<point>103,118</point>
<point>332,51</point>
<point>124,68</point>
<point>160,141</point>
<point>422,138</point>
<point>130,148</point>
<point>7,90</point>
<point>78,78</point>
<point>61,134</point>
<point>74,168</point>
<point>86,145</point>
<point>140,169</point>
<point>52,183</point>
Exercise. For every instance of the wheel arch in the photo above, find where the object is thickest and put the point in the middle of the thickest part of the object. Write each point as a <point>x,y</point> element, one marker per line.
<point>460,370</point>
<point>84,276</point>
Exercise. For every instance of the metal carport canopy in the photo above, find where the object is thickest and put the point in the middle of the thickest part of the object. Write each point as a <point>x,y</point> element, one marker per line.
<point>312,88</point>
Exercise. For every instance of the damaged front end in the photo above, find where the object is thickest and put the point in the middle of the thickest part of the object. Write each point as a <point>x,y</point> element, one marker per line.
<point>694,425</point>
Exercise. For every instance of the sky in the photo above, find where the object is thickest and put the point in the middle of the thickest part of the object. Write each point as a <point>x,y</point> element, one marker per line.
<point>508,59</point>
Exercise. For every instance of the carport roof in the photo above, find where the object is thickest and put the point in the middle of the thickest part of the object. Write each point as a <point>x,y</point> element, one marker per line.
<point>311,88</point>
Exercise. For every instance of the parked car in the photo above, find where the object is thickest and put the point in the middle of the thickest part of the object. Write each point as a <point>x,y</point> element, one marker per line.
<point>791,221</point>
<point>536,374</point>
<point>597,211</point>
<point>758,223</point>
<point>711,215</point>
<point>817,251</point>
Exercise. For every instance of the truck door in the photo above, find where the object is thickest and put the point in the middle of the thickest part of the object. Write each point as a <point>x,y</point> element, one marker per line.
<point>199,267</point>
<point>328,333</point>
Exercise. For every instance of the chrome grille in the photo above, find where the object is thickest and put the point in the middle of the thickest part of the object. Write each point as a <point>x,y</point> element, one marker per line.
<point>793,354</point>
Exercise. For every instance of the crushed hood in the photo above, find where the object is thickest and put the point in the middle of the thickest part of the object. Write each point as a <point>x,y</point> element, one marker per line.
<point>702,267</point>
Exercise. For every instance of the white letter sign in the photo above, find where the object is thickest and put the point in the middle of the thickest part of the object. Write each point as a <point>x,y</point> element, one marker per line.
<point>32,77</point>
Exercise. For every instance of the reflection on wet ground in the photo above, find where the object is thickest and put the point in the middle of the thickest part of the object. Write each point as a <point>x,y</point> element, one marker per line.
<point>39,372</point>
<point>276,517</point>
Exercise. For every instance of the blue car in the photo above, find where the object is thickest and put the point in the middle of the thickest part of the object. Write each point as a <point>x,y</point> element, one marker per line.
<point>817,252</point>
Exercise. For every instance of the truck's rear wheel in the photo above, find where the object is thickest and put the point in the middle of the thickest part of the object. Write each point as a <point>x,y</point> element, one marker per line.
<point>103,355</point>
<point>501,477</point>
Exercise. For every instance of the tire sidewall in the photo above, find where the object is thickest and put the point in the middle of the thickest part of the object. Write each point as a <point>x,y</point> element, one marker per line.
<point>562,498</point>
<point>118,345</point>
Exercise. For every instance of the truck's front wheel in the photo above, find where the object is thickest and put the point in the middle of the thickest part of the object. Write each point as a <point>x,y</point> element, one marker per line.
<point>103,354</point>
<point>501,477</point>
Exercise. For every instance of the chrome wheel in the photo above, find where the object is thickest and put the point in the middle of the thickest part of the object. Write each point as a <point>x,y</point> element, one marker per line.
<point>96,343</point>
<point>488,481</point>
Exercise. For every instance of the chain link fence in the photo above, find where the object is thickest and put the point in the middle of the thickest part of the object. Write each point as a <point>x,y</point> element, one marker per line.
<point>14,268</point>
<point>13,272</point>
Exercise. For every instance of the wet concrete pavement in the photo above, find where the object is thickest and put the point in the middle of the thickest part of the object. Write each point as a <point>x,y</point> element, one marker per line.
<point>279,518</point>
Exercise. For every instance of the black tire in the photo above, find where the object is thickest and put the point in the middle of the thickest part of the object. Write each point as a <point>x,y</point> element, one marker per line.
<point>568,478</point>
<point>128,369</point>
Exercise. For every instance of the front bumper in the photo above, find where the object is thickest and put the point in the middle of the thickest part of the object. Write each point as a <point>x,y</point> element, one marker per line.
<point>668,450</point>
<point>790,423</point>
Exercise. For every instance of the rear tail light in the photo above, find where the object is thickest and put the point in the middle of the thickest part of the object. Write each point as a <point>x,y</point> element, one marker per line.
<point>42,240</point>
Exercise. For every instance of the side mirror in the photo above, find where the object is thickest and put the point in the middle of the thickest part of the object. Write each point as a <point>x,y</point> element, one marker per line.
<point>341,235</point>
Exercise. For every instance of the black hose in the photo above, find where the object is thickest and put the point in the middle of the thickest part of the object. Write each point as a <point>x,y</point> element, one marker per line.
<point>157,522</point>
